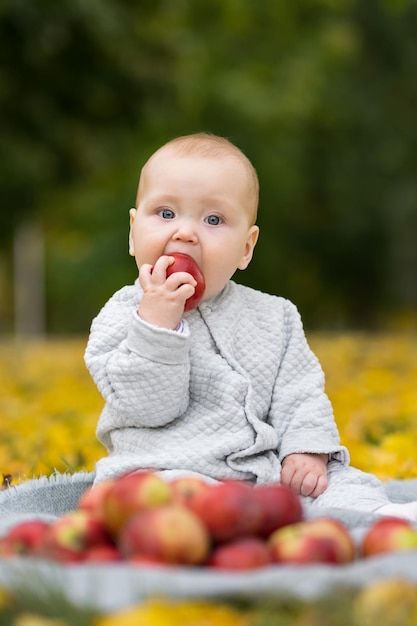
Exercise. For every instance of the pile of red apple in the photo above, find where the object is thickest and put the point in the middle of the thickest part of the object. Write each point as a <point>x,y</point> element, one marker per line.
<point>140,518</point>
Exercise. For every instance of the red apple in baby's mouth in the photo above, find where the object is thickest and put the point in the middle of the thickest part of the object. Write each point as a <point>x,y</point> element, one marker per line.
<point>185,263</point>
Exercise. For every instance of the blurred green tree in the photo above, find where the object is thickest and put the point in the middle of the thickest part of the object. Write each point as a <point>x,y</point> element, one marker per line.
<point>320,94</point>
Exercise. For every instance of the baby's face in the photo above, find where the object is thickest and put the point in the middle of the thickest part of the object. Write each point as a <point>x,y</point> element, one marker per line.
<point>199,206</point>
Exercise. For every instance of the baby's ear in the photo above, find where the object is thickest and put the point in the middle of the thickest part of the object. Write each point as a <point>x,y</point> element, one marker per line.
<point>251,240</point>
<point>132,214</point>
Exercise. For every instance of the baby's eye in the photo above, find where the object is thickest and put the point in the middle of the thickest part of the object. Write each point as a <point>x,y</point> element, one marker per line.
<point>213,220</point>
<point>166,214</point>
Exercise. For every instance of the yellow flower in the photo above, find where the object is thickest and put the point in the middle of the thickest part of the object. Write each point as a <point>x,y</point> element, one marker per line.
<point>371,384</point>
<point>4,598</point>
<point>170,613</point>
<point>391,602</point>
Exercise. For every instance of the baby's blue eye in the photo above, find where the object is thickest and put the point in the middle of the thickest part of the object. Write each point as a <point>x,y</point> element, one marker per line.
<point>213,220</point>
<point>166,214</point>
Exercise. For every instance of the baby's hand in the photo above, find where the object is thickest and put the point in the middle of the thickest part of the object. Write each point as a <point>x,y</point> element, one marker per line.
<point>306,473</point>
<point>164,298</point>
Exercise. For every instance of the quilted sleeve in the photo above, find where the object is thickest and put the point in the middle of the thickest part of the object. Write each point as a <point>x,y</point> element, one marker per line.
<point>300,410</point>
<point>141,371</point>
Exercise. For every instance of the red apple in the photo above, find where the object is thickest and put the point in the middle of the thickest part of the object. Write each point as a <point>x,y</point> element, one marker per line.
<point>25,538</point>
<point>185,263</point>
<point>93,497</point>
<point>241,554</point>
<point>280,507</point>
<point>320,540</point>
<point>148,561</point>
<point>228,509</point>
<point>331,528</point>
<point>5,548</point>
<point>389,534</point>
<point>187,488</point>
<point>72,534</point>
<point>130,494</point>
<point>171,533</point>
<point>106,552</point>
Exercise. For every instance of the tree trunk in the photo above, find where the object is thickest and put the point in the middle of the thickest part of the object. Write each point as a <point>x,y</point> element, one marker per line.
<point>29,279</point>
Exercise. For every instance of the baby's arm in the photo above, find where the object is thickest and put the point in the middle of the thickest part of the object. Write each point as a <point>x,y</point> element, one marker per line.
<point>305,473</point>
<point>301,411</point>
<point>142,372</point>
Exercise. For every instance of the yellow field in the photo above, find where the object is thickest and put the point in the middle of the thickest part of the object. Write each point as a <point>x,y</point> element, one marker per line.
<point>372,383</point>
<point>49,405</point>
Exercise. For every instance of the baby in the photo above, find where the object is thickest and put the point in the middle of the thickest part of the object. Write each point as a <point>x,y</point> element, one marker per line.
<point>230,389</point>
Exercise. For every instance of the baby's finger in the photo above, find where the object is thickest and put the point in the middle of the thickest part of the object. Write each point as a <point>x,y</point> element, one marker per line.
<point>295,481</point>
<point>145,272</point>
<point>287,473</point>
<point>308,484</point>
<point>159,270</point>
<point>177,279</point>
<point>321,486</point>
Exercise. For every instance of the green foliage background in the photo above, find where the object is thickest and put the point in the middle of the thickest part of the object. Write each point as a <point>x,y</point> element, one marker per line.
<point>320,94</point>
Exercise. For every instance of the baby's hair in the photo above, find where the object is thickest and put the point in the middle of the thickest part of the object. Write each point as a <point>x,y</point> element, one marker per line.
<point>209,145</point>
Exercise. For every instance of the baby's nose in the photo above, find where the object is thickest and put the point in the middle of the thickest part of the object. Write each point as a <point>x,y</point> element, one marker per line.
<point>185,232</point>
